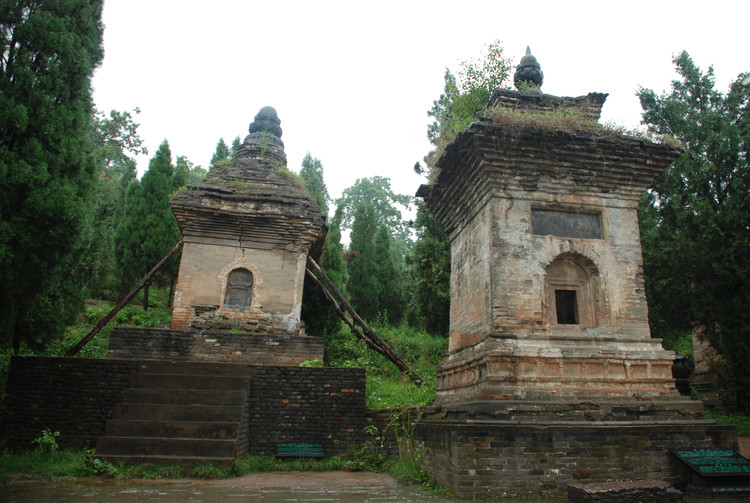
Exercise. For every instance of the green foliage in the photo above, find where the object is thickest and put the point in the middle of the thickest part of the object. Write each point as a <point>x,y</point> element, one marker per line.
<point>363,285</point>
<point>49,53</point>
<point>47,442</point>
<point>185,172</point>
<point>48,464</point>
<point>319,316</point>
<point>315,362</point>
<point>221,154</point>
<point>148,229</point>
<point>375,191</point>
<point>739,421</point>
<point>464,98</point>
<point>430,262</point>
<point>386,386</point>
<point>312,173</point>
<point>694,221</point>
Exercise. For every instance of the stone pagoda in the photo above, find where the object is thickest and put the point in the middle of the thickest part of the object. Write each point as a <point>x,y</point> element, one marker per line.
<point>552,374</point>
<point>247,229</point>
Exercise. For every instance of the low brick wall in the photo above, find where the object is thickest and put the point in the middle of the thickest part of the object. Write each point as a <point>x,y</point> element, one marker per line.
<point>160,343</point>
<point>474,460</point>
<point>71,395</point>
<point>307,405</point>
<point>287,404</point>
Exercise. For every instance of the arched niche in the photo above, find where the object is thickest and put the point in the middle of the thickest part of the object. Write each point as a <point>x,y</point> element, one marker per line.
<point>571,289</point>
<point>239,292</point>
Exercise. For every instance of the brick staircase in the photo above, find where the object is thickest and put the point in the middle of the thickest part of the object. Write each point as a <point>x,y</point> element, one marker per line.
<point>187,412</point>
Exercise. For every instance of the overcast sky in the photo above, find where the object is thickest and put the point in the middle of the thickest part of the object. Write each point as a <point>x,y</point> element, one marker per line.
<point>352,81</point>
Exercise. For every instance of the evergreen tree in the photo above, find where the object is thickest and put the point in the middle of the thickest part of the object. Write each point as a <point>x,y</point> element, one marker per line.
<point>312,173</point>
<point>235,146</point>
<point>694,221</point>
<point>49,51</point>
<point>390,298</point>
<point>221,154</point>
<point>116,139</point>
<point>375,191</point>
<point>363,284</point>
<point>431,267</point>
<point>319,316</point>
<point>148,230</point>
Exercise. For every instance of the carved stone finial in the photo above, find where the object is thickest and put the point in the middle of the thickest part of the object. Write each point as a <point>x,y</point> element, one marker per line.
<point>529,71</point>
<point>264,141</point>
<point>266,120</point>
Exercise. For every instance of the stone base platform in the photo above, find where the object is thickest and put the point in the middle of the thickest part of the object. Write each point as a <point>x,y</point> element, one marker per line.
<point>640,491</point>
<point>481,457</point>
<point>225,347</point>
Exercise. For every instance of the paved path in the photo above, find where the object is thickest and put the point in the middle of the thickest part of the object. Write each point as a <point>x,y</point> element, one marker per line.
<point>342,487</point>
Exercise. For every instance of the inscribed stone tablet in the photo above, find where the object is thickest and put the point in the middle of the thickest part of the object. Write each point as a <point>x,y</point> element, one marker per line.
<point>566,224</point>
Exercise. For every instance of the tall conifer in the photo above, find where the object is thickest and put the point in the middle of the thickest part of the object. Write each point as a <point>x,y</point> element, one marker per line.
<point>49,51</point>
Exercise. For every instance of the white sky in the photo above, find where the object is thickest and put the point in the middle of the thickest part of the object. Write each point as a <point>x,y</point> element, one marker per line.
<point>352,81</point>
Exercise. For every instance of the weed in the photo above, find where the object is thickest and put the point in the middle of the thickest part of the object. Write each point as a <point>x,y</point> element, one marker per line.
<point>209,470</point>
<point>739,421</point>
<point>48,441</point>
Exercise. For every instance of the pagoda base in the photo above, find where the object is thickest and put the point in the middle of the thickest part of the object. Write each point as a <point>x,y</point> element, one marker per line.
<point>530,415</point>
<point>475,456</point>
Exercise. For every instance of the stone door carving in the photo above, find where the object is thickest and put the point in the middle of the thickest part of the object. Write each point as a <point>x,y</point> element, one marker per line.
<point>239,292</point>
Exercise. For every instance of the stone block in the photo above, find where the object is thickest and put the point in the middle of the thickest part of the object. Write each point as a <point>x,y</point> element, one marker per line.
<point>639,491</point>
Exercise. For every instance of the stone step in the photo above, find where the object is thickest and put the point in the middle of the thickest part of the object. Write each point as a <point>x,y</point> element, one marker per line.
<point>165,446</point>
<point>150,412</point>
<point>184,397</point>
<point>188,381</point>
<point>176,429</point>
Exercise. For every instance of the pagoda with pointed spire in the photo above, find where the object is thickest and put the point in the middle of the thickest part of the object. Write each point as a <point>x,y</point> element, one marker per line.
<point>551,374</point>
<point>248,228</point>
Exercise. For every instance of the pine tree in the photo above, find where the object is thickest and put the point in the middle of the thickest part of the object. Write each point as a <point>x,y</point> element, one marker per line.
<point>319,316</point>
<point>49,51</point>
<point>363,284</point>
<point>390,298</point>
<point>221,154</point>
<point>312,173</point>
<point>694,221</point>
<point>148,230</point>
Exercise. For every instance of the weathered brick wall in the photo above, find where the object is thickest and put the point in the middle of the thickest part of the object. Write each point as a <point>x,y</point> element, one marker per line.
<point>158,344</point>
<point>307,405</point>
<point>482,459</point>
<point>287,404</point>
<point>71,395</point>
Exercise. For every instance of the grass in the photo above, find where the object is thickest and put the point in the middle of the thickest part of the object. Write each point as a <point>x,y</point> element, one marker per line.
<point>739,421</point>
<point>69,463</point>
<point>386,386</point>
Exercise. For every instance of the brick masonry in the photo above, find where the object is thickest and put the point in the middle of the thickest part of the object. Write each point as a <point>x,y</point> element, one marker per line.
<point>161,343</point>
<point>287,404</point>
<point>475,460</point>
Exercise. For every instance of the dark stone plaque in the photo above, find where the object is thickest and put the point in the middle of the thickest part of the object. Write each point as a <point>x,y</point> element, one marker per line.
<point>566,224</point>
<point>714,462</point>
<point>300,450</point>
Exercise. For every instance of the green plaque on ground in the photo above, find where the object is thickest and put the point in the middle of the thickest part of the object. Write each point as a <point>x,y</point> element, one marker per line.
<point>300,450</point>
<point>714,462</point>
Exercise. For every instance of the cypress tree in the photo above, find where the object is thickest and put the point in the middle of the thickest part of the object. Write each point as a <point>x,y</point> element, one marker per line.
<point>49,53</point>
<point>148,230</point>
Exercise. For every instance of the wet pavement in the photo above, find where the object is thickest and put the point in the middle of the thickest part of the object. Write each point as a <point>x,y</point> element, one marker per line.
<point>74,493</point>
<point>264,488</point>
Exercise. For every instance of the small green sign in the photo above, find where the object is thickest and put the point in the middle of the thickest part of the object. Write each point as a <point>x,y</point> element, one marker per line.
<point>300,450</point>
<point>714,462</point>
